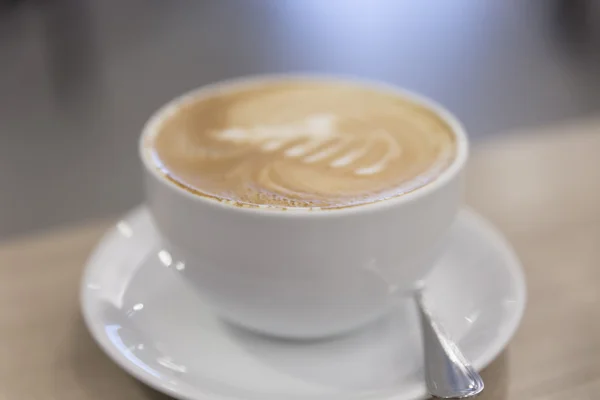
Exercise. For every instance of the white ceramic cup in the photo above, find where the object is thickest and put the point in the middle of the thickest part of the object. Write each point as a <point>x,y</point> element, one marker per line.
<point>302,273</point>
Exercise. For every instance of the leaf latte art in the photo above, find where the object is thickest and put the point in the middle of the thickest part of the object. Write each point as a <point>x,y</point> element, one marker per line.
<point>302,143</point>
<point>317,140</point>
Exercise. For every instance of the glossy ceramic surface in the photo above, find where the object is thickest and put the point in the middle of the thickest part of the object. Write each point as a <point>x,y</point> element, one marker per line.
<point>157,328</point>
<point>299,272</point>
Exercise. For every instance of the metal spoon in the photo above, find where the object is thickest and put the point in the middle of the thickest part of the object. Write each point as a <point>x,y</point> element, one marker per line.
<point>448,374</point>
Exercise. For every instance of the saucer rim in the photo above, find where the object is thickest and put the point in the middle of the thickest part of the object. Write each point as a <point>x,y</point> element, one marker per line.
<point>484,227</point>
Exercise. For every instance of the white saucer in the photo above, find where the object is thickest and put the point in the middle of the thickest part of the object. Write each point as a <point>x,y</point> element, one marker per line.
<point>151,323</point>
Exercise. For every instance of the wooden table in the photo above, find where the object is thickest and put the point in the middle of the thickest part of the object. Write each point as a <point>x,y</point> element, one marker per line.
<point>541,188</point>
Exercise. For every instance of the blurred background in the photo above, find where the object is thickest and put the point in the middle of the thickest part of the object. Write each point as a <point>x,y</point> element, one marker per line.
<point>78,78</point>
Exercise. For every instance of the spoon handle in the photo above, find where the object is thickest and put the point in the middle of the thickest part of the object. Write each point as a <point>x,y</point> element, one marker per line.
<point>448,374</point>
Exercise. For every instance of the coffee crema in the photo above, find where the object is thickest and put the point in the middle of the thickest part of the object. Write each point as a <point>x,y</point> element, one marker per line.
<point>302,143</point>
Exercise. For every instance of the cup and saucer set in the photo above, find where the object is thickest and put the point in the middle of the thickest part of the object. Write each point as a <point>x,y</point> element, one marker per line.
<point>204,300</point>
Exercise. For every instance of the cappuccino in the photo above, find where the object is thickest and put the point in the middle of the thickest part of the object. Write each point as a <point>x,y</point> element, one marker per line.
<point>301,143</point>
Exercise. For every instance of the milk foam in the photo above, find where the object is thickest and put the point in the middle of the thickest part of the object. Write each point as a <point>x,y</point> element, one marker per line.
<point>320,138</point>
<point>303,144</point>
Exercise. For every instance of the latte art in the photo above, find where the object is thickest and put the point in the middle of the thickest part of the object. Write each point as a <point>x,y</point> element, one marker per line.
<point>302,144</point>
<point>318,139</point>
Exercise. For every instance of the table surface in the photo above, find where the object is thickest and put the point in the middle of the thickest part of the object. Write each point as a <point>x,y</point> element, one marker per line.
<point>541,188</point>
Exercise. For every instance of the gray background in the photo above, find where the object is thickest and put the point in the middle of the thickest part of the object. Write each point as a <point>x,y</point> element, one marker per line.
<point>78,78</point>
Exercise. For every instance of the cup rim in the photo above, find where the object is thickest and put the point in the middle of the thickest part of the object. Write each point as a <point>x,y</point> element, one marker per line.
<point>151,128</point>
